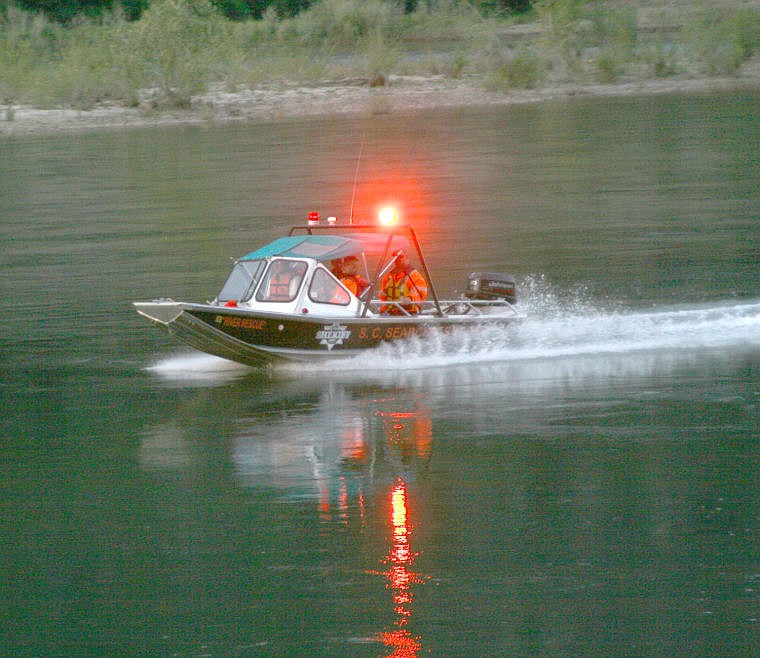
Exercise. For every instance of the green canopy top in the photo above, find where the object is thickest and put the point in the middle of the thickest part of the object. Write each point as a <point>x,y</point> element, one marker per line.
<point>326,247</point>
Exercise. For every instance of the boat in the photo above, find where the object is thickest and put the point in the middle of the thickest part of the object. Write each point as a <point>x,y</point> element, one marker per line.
<point>315,315</point>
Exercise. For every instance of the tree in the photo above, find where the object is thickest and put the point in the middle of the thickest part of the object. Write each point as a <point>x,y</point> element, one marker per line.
<point>512,6</point>
<point>242,9</point>
<point>64,11</point>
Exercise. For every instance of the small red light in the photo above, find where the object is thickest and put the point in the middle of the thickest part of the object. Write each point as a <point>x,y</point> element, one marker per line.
<point>313,218</point>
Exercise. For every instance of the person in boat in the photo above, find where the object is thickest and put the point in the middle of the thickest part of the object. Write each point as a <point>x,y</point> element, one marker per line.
<point>402,284</point>
<point>350,277</point>
<point>336,267</point>
<point>284,279</point>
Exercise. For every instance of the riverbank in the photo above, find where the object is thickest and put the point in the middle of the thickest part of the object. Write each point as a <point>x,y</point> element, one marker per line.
<point>399,95</point>
<point>340,59</point>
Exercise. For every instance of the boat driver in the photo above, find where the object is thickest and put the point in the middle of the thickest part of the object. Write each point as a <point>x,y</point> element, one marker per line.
<point>402,284</point>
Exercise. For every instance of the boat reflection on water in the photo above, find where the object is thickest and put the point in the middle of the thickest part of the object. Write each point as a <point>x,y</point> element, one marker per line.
<point>357,457</point>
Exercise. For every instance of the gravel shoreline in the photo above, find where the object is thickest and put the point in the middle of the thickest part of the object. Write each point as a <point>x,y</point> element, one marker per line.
<point>334,98</point>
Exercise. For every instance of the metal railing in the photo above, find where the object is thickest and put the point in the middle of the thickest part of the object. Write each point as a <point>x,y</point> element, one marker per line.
<point>447,308</point>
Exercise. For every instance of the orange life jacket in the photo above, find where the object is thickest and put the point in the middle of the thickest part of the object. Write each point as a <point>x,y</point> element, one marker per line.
<point>279,287</point>
<point>355,283</point>
<point>398,285</point>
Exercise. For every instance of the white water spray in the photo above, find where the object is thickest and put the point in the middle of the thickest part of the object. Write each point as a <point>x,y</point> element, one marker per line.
<point>197,368</point>
<point>554,333</point>
<point>555,328</point>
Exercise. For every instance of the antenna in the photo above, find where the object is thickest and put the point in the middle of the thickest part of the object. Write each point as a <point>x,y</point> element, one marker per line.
<point>356,179</point>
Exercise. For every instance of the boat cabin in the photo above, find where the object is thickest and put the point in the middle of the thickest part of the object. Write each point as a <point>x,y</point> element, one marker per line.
<point>300,274</point>
<point>287,285</point>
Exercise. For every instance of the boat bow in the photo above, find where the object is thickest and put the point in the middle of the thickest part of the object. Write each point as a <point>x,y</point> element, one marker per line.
<point>162,311</point>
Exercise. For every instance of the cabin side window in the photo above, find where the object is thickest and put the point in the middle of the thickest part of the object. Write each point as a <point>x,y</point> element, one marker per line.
<point>326,289</point>
<point>242,281</point>
<point>282,281</point>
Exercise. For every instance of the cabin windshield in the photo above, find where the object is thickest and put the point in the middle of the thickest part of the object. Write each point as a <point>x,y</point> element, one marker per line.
<point>242,281</point>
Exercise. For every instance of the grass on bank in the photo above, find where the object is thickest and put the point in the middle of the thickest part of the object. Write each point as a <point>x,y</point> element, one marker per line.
<point>179,48</point>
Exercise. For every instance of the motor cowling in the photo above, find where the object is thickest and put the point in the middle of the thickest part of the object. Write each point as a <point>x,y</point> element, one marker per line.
<point>491,285</point>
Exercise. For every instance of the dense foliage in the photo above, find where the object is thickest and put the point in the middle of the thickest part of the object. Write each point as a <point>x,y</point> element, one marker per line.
<point>64,11</point>
<point>172,53</point>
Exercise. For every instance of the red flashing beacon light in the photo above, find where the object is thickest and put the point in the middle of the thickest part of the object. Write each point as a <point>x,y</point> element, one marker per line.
<point>313,218</point>
<point>388,216</point>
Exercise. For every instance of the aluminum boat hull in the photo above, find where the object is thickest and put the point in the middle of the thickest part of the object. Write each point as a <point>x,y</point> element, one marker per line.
<point>258,339</point>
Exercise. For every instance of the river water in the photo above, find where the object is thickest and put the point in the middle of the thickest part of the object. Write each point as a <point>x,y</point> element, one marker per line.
<point>584,485</point>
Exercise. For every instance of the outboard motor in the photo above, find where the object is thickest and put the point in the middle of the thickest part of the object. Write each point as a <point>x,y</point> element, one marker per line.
<point>491,285</point>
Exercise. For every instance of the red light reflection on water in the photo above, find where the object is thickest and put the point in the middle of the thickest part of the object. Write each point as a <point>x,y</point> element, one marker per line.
<point>407,444</point>
<point>400,577</point>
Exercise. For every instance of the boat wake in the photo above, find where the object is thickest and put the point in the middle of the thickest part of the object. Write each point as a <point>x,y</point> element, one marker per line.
<point>552,332</point>
<point>197,368</point>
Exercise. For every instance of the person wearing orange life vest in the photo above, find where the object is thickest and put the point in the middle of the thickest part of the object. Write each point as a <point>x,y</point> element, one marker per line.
<point>280,281</point>
<point>350,276</point>
<point>402,284</point>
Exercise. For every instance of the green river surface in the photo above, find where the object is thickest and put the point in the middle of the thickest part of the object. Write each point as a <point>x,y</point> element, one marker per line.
<point>587,484</point>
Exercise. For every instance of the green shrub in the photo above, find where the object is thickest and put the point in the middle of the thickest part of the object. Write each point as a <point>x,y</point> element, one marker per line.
<point>613,30</point>
<point>26,42</point>
<point>564,30</point>
<point>174,47</point>
<point>608,66</point>
<point>382,57</point>
<point>661,60</point>
<point>343,22</point>
<point>720,43</point>
<point>746,30</point>
<point>520,70</point>
<point>82,75</point>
